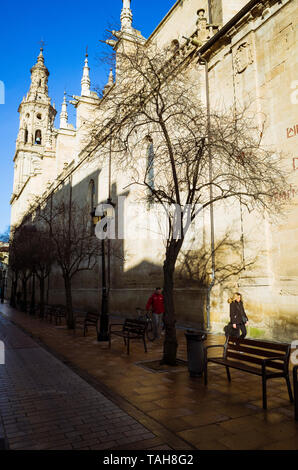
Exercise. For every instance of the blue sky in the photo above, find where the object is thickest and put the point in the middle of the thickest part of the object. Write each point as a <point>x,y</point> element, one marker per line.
<point>67,27</point>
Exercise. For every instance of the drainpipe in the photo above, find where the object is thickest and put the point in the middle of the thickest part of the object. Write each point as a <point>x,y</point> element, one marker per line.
<point>203,61</point>
<point>209,12</point>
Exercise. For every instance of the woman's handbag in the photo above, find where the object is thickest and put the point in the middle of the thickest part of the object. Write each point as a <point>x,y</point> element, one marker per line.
<point>230,331</point>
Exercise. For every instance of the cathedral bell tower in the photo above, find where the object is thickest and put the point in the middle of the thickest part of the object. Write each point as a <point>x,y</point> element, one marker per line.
<point>36,133</point>
<point>36,112</point>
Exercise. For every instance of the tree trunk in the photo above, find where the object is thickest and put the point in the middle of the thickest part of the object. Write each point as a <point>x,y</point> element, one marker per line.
<point>14,285</point>
<point>170,342</point>
<point>42,295</point>
<point>24,289</point>
<point>69,311</point>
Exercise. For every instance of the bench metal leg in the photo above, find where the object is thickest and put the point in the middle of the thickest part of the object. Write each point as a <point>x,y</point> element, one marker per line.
<point>228,374</point>
<point>295,382</point>
<point>127,345</point>
<point>264,382</point>
<point>145,346</point>
<point>289,388</point>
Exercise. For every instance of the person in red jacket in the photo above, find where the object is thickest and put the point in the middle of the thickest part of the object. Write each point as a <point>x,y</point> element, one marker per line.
<point>156,304</point>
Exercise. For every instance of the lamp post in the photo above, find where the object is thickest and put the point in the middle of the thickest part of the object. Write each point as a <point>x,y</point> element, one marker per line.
<point>103,332</point>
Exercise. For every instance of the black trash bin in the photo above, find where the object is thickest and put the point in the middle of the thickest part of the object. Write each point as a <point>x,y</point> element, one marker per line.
<point>195,352</point>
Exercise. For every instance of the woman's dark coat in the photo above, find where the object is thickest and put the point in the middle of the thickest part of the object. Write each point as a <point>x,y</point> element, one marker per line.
<point>237,313</point>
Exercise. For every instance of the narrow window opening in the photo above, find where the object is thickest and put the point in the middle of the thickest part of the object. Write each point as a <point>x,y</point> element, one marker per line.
<point>38,137</point>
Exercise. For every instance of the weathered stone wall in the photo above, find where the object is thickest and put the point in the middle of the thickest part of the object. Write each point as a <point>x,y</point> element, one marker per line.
<point>259,70</point>
<point>255,64</point>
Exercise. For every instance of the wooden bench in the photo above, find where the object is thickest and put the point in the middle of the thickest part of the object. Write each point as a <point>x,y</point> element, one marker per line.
<point>49,312</point>
<point>131,329</point>
<point>91,319</point>
<point>267,359</point>
<point>56,311</point>
<point>295,382</point>
<point>59,313</point>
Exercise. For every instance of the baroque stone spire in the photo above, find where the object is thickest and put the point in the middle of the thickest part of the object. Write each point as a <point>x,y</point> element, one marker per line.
<point>39,80</point>
<point>63,114</point>
<point>126,16</point>
<point>85,82</point>
<point>110,82</point>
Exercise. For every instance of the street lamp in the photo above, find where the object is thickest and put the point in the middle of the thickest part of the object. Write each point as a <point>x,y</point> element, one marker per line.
<point>103,332</point>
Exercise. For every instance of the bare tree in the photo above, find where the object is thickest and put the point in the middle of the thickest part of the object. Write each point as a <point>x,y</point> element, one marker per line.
<point>195,266</point>
<point>44,258</point>
<point>22,258</point>
<point>75,247</point>
<point>13,269</point>
<point>198,159</point>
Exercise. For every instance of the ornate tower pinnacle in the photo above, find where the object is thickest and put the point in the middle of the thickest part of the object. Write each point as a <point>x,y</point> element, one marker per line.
<point>63,114</point>
<point>110,82</point>
<point>39,80</point>
<point>85,82</point>
<point>126,16</point>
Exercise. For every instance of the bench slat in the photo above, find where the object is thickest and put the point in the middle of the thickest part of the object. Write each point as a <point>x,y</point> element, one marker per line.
<point>131,329</point>
<point>244,367</point>
<point>237,365</point>
<point>254,351</point>
<point>261,344</point>
<point>254,360</point>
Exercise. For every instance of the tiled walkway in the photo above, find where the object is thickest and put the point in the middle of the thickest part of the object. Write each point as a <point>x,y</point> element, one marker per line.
<point>179,411</point>
<point>45,405</point>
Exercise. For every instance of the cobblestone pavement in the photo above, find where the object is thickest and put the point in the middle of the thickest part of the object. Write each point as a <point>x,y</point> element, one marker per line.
<point>178,410</point>
<point>45,405</point>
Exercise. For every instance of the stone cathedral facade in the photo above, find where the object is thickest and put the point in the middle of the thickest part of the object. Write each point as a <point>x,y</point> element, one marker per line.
<point>251,51</point>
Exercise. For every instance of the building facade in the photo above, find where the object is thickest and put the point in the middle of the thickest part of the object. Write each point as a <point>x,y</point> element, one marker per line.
<point>251,52</point>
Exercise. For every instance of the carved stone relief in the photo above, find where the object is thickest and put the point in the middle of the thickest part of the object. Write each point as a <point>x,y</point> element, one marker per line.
<point>243,57</point>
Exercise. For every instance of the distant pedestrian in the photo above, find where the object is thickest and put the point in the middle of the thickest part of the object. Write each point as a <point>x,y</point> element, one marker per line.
<point>228,329</point>
<point>238,316</point>
<point>156,304</point>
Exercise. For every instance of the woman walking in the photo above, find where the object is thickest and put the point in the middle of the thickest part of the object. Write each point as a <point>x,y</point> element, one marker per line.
<point>238,316</point>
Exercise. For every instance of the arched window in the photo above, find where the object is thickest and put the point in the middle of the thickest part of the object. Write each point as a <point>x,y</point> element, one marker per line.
<point>38,137</point>
<point>26,135</point>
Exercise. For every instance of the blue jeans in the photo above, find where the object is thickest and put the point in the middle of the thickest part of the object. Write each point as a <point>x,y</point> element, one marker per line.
<point>157,320</point>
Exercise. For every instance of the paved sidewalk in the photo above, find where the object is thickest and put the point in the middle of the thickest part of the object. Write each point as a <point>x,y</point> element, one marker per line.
<point>45,405</point>
<point>178,410</point>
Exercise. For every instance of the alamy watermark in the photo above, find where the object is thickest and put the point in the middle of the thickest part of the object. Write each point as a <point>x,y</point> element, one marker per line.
<point>143,221</point>
<point>294,355</point>
<point>294,94</point>
<point>2,353</point>
<point>2,92</point>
